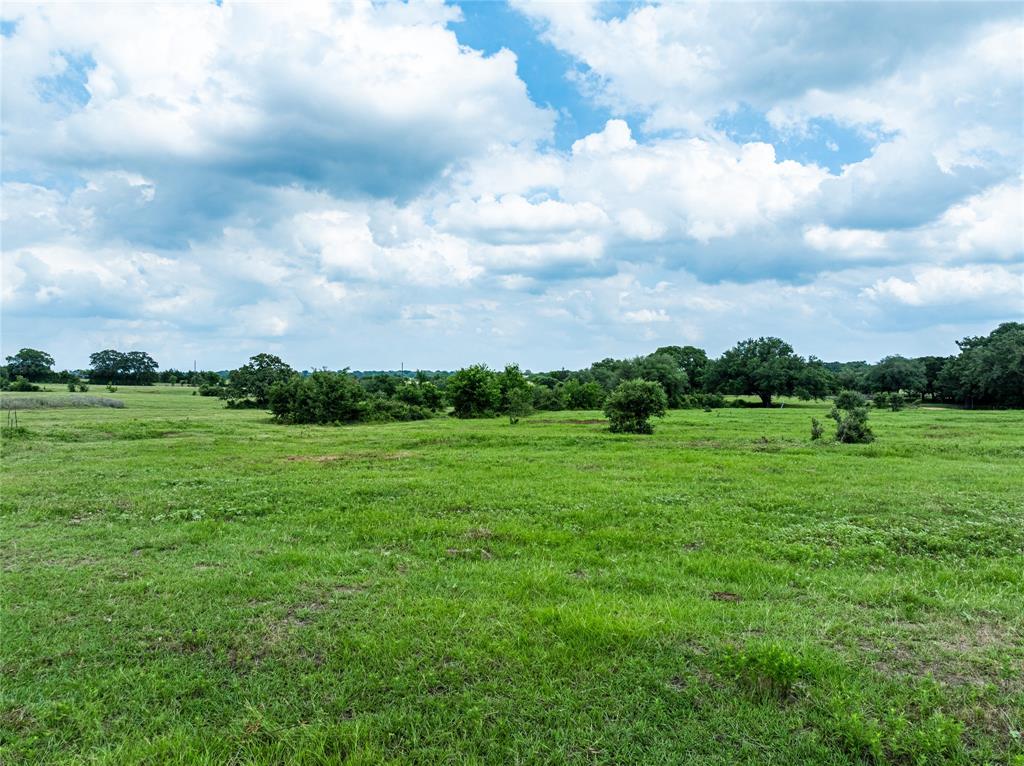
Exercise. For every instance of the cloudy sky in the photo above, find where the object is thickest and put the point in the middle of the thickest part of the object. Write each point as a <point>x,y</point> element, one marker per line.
<point>439,184</point>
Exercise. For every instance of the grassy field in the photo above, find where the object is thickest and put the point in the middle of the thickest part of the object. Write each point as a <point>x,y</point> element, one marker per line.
<point>188,584</point>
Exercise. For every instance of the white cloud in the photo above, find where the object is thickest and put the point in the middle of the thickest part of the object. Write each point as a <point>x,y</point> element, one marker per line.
<point>937,286</point>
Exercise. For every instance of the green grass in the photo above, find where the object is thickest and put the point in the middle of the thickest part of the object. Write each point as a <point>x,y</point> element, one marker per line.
<point>188,584</point>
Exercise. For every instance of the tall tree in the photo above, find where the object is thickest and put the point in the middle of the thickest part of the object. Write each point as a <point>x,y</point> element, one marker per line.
<point>30,364</point>
<point>765,367</point>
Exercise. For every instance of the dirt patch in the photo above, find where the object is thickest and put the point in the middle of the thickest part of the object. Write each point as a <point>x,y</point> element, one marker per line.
<point>349,456</point>
<point>724,595</point>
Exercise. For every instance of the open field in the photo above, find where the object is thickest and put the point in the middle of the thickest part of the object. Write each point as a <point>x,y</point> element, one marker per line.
<point>188,584</point>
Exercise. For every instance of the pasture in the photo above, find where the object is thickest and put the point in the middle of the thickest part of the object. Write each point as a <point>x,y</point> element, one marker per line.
<point>188,584</point>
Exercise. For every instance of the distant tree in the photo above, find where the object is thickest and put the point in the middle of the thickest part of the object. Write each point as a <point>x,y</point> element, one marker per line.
<point>519,405</point>
<point>665,370</point>
<point>897,373</point>
<point>765,367</point>
<point>850,411</point>
<point>511,379</point>
<point>932,368</point>
<point>387,385</point>
<point>633,403</point>
<point>989,369</point>
<point>814,381</point>
<point>250,384</point>
<point>474,392</point>
<point>583,396</point>
<point>141,368</point>
<point>549,399</point>
<point>692,360</point>
<point>31,364</point>
<point>106,366</point>
<point>114,367</point>
<point>322,397</point>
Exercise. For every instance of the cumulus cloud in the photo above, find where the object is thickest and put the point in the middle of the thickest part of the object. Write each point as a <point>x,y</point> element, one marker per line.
<point>253,177</point>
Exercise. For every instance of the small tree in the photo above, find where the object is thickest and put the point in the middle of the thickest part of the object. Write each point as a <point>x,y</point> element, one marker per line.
<point>520,404</point>
<point>250,384</point>
<point>631,405</point>
<point>474,392</point>
<point>850,411</point>
<point>817,429</point>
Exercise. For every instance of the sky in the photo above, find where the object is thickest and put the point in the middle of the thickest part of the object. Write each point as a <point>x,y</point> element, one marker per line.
<point>431,185</point>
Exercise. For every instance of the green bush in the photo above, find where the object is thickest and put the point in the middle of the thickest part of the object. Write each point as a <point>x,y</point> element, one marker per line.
<point>850,411</point>
<point>768,671</point>
<point>631,405</point>
<point>21,384</point>
<point>817,429</point>
<point>474,392</point>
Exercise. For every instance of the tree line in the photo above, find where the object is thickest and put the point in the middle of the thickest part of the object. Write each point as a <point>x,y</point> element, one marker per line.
<point>988,371</point>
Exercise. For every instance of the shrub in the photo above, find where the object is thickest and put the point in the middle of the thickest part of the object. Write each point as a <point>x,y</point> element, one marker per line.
<point>83,387</point>
<point>631,405</point>
<point>380,409</point>
<point>896,401</point>
<point>111,387</point>
<point>817,429</point>
<point>881,400</point>
<point>21,384</point>
<point>520,404</point>
<point>71,387</point>
<point>851,415</point>
<point>474,392</point>
<point>323,397</point>
<point>207,390</point>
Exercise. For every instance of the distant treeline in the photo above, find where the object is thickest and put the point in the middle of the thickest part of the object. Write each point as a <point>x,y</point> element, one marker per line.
<point>988,371</point>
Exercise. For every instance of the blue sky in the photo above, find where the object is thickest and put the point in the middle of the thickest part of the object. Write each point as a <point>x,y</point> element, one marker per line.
<point>370,185</point>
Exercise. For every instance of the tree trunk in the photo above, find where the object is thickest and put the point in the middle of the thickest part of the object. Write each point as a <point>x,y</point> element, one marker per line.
<point>766,400</point>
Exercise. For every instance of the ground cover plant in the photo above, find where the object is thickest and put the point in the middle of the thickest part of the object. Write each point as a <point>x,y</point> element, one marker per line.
<point>187,583</point>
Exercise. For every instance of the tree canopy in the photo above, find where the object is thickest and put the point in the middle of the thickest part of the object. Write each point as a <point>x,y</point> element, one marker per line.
<point>765,367</point>
<point>30,364</point>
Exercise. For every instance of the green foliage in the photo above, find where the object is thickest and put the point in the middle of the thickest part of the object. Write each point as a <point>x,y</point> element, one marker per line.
<point>767,671</point>
<point>582,396</point>
<point>897,373</point>
<point>511,379</point>
<point>250,384</point>
<point>989,370</point>
<point>323,397</point>
<point>850,411</point>
<point>21,383</point>
<point>474,392</point>
<point>31,364</point>
<point>817,429</point>
<point>665,370</point>
<point>765,367</point>
<point>632,404</point>
<point>549,399</point>
<point>520,404</point>
<point>132,368</point>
